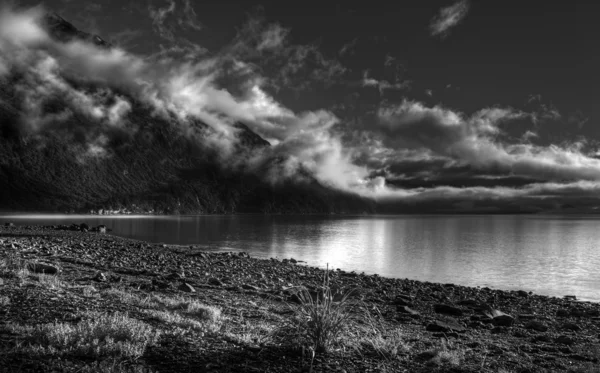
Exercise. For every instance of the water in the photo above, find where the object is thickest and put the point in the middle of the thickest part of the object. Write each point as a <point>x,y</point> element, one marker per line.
<point>552,254</point>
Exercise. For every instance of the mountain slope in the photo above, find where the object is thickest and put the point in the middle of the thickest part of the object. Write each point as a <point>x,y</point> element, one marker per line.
<point>152,164</point>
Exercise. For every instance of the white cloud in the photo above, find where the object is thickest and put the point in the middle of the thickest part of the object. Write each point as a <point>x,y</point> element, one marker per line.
<point>448,18</point>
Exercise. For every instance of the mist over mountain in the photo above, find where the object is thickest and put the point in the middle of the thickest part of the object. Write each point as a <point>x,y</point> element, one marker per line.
<point>69,142</point>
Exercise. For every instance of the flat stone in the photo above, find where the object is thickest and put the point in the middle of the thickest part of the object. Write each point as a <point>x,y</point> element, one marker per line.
<point>536,325</point>
<point>215,281</point>
<point>250,287</point>
<point>571,326</point>
<point>42,268</point>
<point>407,310</point>
<point>186,288</point>
<point>565,340</point>
<point>445,326</point>
<point>447,309</point>
<point>402,301</point>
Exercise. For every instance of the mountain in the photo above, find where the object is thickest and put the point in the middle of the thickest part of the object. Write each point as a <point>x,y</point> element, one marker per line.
<point>153,165</point>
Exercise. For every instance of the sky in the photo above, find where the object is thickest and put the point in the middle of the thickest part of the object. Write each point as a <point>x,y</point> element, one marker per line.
<point>474,104</point>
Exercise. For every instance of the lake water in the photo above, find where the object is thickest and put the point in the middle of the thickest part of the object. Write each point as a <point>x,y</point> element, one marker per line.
<point>552,254</point>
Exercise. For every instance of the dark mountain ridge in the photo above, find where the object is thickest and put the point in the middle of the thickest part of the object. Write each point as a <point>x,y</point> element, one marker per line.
<point>149,165</point>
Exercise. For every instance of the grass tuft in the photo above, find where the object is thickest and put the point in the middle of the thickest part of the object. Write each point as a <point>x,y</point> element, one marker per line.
<point>322,316</point>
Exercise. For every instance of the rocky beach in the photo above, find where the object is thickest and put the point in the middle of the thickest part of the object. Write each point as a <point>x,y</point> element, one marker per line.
<point>188,309</point>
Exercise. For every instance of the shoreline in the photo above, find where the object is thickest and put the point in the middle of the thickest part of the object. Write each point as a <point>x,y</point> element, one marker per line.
<point>425,314</point>
<point>585,295</point>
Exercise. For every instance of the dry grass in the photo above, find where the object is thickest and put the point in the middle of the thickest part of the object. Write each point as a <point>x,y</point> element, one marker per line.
<point>182,323</point>
<point>4,301</point>
<point>49,281</point>
<point>388,346</point>
<point>446,355</point>
<point>98,335</point>
<point>11,266</point>
<point>257,333</point>
<point>158,303</point>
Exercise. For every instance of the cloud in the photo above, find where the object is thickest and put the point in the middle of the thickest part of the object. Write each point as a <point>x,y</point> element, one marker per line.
<point>474,140</point>
<point>295,66</point>
<point>190,18</point>
<point>383,85</point>
<point>158,16</point>
<point>272,37</point>
<point>448,18</point>
<point>124,38</point>
<point>170,20</point>
<point>348,48</point>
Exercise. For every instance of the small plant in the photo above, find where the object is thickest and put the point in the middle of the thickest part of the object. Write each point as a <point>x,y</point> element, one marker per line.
<point>388,346</point>
<point>446,355</point>
<point>322,316</point>
<point>98,335</point>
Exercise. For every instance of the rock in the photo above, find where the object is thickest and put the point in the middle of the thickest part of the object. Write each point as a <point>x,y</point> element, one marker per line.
<point>101,228</point>
<point>186,287</point>
<point>42,268</point>
<point>407,310</point>
<point>447,309</point>
<point>498,330</point>
<point>503,319</point>
<point>562,313</point>
<point>565,340</point>
<point>215,281</point>
<point>445,326</point>
<point>402,301</point>
<point>571,326</point>
<point>84,227</point>
<point>293,260</point>
<point>570,297</point>
<point>522,293</point>
<point>250,287</point>
<point>536,325</point>
<point>100,277</point>
<point>542,338</point>
<point>577,312</point>
<point>9,225</point>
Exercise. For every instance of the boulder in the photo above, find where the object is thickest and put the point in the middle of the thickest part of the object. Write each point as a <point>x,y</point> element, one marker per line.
<point>48,269</point>
<point>447,309</point>
<point>502,319</point>
<point>84,227</point>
